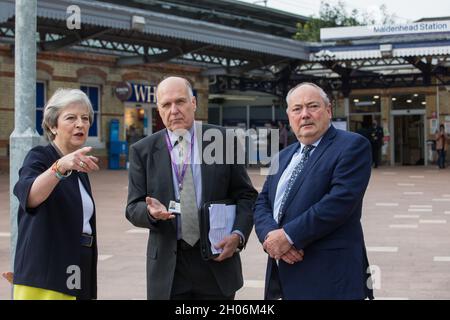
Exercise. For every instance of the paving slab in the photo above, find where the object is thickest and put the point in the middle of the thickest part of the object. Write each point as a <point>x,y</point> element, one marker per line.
<point>410,271</point>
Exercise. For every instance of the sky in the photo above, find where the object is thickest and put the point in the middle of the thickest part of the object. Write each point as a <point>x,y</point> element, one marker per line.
<point>405,10</point>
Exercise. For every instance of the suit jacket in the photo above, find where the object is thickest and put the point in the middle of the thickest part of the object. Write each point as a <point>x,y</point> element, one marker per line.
<point>150,174</point>
<point>322,216</point>
<point>49,236</point>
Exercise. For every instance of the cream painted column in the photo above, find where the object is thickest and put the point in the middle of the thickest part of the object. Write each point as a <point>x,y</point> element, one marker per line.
<point>347,111</point>
<point>385,104</point>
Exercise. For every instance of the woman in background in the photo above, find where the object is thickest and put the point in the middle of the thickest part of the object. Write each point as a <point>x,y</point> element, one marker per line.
<point>441,146</point>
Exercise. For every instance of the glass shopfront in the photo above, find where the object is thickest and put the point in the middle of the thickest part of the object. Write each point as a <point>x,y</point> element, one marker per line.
<point>364,109</point>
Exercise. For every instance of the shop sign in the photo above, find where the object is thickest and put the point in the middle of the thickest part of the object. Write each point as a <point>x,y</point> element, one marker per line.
<point>123,91</point>
<point>133,92</point>
<point>341,33</point>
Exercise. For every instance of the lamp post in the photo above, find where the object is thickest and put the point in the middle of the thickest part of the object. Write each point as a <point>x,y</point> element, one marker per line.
<point>24,136</point>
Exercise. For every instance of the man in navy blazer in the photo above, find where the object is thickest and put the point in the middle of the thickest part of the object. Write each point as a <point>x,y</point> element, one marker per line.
<point>308,214</point>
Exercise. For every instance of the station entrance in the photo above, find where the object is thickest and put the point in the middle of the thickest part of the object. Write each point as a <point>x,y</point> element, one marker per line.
<point>408,134</point>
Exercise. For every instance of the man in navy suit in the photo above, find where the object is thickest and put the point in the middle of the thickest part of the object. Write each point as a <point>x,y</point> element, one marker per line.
<point>308,214</point>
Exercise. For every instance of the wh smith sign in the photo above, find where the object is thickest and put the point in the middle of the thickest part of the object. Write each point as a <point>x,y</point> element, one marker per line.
<point>132,92</point>
<point>342,33</point>
<point>140,93</point>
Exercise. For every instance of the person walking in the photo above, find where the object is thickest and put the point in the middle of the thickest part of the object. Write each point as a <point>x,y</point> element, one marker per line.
<point>376,141</point>
<point>441,146</point>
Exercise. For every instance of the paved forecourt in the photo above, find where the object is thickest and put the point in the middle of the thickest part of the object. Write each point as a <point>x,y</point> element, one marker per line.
<point>406,220</point>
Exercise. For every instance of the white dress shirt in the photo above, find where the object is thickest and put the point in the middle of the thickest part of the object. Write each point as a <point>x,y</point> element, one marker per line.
<point>283,182</point>
<point>88,208</point>
<point>193,161</point>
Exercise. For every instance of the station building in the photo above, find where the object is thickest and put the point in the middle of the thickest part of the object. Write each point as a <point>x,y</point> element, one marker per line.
<point>241,60</point>
<point>397,75</point>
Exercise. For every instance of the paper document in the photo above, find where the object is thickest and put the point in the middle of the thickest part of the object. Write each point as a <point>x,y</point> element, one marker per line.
<point>221,221</point>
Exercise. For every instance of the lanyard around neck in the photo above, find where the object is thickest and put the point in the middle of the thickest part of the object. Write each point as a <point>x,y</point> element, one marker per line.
<point>179,175</point>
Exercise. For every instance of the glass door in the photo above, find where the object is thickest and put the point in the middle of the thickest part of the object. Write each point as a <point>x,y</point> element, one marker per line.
<point>408,132</point>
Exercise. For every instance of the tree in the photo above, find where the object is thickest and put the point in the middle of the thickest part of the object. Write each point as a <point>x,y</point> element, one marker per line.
<point>336,16</point>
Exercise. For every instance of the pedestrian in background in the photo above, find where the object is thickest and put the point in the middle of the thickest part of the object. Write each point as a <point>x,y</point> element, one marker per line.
<point>376,141</point>
<point>291,136</point>
<point>56,253</point>
<point>132,135</point>
<point>441,146</point>
<point>283,135</point>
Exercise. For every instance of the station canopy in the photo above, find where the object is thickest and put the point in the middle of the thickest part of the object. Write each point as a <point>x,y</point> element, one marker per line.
<point>240,46</point>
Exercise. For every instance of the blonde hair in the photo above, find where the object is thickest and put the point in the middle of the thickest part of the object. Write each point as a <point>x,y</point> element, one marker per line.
<point>59,100</point>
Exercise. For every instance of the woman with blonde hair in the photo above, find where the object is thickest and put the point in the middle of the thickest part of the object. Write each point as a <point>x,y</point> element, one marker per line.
<point>56,253</point>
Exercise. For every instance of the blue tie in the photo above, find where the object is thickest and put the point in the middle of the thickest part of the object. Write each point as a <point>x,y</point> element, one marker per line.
<point>298,168</point>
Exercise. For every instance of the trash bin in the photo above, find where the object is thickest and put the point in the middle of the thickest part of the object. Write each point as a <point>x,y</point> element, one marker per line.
<point>118,154</point>
<point>114,126</point>
<point>118,150</point>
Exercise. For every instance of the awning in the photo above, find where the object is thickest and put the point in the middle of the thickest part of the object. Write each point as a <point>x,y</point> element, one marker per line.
<point>119,17</point>
<point>355,54</point>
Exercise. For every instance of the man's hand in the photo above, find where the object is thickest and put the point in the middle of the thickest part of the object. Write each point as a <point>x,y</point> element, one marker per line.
<point>293,255</point>
<point>276,244</point>
<point>229,245</point>
<point>157,210</point>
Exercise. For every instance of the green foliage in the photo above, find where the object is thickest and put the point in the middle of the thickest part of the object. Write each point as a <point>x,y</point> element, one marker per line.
<point>337,16</point>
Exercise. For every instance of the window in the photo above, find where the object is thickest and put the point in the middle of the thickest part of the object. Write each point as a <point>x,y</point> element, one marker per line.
<point>234,116</point>
<point>40,104</point>
<point>93,93</point>
<point>214,115</point>
<point>280,113</point>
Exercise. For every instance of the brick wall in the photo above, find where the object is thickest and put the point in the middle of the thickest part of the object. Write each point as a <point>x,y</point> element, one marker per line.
<point>69,70</point>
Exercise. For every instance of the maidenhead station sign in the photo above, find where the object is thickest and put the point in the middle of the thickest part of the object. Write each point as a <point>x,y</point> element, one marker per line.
<point>342,33</point>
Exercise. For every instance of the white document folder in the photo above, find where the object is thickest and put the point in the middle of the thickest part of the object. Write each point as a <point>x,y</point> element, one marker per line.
<point>221,221</point>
